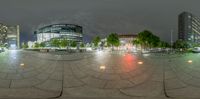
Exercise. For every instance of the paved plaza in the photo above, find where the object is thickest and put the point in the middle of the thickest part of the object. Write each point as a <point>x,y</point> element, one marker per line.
<point>101,74</point>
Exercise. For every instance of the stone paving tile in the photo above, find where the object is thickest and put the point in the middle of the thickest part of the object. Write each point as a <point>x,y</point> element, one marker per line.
<point>3,75</point>
<point>26,93</point>
<point>187,92</point>
<point>183,76</point>
<point>50,85</point>
<point>109,77</point>
<point>125,76</point>
<point>50,69</point>
<point>42,76</point>
<point>174,83</point>
<point>9,71</point>
<point>77,72</point>
<point>30,74</point>
<point>4,83</point>
<point>56,76</point>
<point>118,84</point>
<point>157,77</point>
<point>140,78</point>
<point>193,82</point>
<point>89,92</point>
<point>146,89</point>
<point>93,82</point>
<point>24,83</point>
<point>83,78</point>
<point>70,82</point>
<point>14,76</point>
<point>169,74</point>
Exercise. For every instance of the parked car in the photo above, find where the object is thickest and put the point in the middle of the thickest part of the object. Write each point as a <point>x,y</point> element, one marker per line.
<point>1,50</point>
<point>196,50</point>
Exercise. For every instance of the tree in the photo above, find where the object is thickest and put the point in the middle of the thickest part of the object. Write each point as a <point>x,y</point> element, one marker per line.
<point>73,44</point>
<point>113,40</point>
<point>154,41</point>
<point>163,44</point>
<point>180,44</point>
<point>36,45</point>
<point>136,42</point>
<point>55,42</point>
<point>96,41</point>
<point>2,45</point>
<point>42,44</point>
<point>24,45</point>
<point>82,45</point>
<point>63,43</point>
<point>147,39</point>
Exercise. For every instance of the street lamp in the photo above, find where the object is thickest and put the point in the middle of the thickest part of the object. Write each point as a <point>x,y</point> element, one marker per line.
<point>171,39</point>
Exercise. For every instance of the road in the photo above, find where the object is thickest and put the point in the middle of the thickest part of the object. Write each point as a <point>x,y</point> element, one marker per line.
<point>101,74</point>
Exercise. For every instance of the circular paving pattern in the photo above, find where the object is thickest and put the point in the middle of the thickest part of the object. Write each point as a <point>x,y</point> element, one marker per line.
<point>98,74</point>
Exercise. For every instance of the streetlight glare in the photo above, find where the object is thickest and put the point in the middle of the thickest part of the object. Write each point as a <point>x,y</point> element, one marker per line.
<point>189,61</point>
<point>140,62</point>
<point>22,64</point>
<point>103,67</point>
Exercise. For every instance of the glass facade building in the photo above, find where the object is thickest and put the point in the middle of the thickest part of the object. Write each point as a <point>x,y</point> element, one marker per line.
<point>189,27</point>
<point>9,36</point>
<point>60,31</point>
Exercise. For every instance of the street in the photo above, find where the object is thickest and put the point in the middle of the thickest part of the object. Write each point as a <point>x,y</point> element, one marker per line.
<point>99,74</point>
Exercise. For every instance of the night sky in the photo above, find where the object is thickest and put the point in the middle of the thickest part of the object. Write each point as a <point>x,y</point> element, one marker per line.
<point>98,17</point>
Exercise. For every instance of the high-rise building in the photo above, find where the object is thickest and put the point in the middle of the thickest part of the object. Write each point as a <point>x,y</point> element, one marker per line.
<point>9,36</point>
<point>189,27</point>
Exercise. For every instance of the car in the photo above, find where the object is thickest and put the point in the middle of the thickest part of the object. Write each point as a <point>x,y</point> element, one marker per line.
<point>196,50</point>
<point>1,50</point>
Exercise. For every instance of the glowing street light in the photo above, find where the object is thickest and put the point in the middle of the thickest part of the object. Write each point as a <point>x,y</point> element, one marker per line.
<point>102,67</point>
<point>22,65</point>
<point>189,61</point>
<point>140,62</point>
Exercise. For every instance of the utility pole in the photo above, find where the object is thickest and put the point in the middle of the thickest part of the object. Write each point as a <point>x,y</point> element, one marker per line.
<point>171,39</point>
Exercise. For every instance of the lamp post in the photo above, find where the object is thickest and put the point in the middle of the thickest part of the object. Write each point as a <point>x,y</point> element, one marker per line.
<point>171,39</point>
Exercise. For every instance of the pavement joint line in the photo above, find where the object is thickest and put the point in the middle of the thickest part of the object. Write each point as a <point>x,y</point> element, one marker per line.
<point>62,83</point>
<point>176,88</point>
<point>195,77</point>
<point>76,76</point>
<point>146,80</point>
<point>46,90</point>
<point>172,67</point>
<point>124,93</point>
<point>10,84</point>
<point>76,86</point>
<point>164,83</point>
<point>187,82</point>
<point>120,73</point>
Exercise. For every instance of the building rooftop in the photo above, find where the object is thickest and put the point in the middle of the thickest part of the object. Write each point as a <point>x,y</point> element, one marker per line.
<point>127,35</point>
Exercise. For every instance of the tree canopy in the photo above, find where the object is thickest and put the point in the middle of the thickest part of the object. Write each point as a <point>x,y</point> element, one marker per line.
<point>113,40</point>
<point>55,42</point>
<point>96,41</point>
<point>63,43</point>
<point>147,39</point>
<point>180,44</point>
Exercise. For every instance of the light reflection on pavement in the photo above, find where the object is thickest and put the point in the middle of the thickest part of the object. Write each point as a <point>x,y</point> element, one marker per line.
<point>98,74</point>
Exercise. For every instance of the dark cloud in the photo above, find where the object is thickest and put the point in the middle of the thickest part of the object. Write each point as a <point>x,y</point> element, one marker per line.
<point>98,17</point>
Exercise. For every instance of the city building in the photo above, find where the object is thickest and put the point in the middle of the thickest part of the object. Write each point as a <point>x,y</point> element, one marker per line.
<point>60,31</point>
<point>126,41</point>
<point>189,27</point>
<point>9,36</point>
